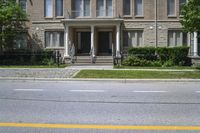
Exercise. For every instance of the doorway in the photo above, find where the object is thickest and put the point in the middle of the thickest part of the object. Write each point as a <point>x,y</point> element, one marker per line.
<point>104,43</point>
<point>84,43</point>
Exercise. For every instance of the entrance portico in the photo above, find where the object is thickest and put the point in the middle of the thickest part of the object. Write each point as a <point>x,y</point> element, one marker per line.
<point>94,37</point>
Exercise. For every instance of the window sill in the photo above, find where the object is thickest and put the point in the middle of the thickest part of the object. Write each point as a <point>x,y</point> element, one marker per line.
<point>127,16</point>
<point>172,16</point>
<point>82,17</point>
<point>55,48</point>
<point>59,17</point>
<point>48,17</point>
<point>105,17</point>
<point>139,16</point>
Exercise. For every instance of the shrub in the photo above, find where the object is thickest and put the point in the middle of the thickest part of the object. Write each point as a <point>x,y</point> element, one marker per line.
<point>161,56</point>
<point>135,61</point>
<point>26,57</point>
<point>147,53</point>
<point>177,55</point>
<point>168,63</point>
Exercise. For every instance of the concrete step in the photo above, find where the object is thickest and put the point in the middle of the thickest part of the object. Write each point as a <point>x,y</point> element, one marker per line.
<point>107,60</point>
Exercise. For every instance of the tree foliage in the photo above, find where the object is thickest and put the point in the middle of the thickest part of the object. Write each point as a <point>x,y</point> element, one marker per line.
<point>191,16</point>
<point>12,22</point>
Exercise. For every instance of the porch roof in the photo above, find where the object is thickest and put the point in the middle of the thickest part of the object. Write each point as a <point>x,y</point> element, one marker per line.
<point>87,22</point>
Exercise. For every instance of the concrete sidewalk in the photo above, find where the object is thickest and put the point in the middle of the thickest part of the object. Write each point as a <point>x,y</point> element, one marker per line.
<point>66,74</point>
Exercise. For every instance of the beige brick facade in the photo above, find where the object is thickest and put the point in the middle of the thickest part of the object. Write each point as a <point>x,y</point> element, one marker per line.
<point>39,23</point>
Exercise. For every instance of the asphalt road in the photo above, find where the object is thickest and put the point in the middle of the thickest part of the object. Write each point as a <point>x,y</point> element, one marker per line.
<point>98,103</point>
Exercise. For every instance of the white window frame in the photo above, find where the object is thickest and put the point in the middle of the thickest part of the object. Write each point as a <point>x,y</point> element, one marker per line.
<point>171,15</point>
<point>131,7</point>
<point>136,9</point>
<point>175,32</point>
<point>135,31</point>
<point>45,14</point>
<point>105,10</point>
<point>56,9</point>
<point>82,15</point>
<point>53,32</point>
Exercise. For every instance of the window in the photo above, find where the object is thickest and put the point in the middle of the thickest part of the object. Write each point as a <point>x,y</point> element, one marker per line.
<point>48,8</point>
<point>139,7</point>
<point>54,39</point>
<point>181,4</point>
<point>23,4</point>
<point>104,8</point>
<point>59,7</point>
<point>133,38</point>
<point>21,41</point>
<point>177,38</point>
<point>171,7</point>
<point>81,8</point>
<point>127,7</point>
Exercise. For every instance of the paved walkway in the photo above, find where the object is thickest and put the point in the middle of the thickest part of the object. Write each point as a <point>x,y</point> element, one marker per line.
<point>38,72</point>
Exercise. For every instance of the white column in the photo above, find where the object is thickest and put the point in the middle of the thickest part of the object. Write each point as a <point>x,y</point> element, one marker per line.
<point>118,42</point>
<point>195,46</point>
<point>66,41</point>
<point>92,41</point>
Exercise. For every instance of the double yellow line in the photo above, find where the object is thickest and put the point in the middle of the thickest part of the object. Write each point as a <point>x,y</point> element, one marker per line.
<point>102,127</point>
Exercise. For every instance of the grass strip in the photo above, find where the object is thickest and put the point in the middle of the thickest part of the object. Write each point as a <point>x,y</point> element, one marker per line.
<point>143,67</point>
<point>131,74</point>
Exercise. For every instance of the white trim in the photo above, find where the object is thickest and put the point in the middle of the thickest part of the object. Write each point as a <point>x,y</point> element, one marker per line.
<point>118,41</point>
<point>92,41</point>
<point>195,44</point>
<point>66,39</point>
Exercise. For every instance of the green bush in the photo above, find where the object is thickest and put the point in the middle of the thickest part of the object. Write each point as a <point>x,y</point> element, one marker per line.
<point>160,56</point>
<point>168,63</point>
<point>177,55</point>
<point>135,61</point>
<point>26,57</point>
<point>147,53</point>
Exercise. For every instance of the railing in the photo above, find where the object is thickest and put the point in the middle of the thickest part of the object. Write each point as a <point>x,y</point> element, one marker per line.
<point>92,52</point>
<point>72,53</point>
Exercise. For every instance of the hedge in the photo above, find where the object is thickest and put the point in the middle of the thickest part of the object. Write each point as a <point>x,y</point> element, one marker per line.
<point>165,56</point>
<point>26,57</point>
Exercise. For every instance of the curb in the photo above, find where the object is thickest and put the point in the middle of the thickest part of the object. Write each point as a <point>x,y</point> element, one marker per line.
<point>100,80</point>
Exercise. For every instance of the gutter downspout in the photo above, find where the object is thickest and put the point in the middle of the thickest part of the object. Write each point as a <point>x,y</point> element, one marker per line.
<point>156,25</point>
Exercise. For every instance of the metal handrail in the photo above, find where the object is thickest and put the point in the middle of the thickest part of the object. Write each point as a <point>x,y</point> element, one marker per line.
<point>72,53</point>
<point>92,51</point>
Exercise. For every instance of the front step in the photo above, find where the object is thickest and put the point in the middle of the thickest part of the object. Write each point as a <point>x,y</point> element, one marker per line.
<point>104,60</point>
<point>83,59</point>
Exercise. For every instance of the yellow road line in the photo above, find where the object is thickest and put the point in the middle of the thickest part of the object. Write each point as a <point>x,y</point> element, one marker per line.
<point>104,127</point>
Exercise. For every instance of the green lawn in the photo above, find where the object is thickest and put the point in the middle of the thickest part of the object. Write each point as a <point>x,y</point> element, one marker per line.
<point>139,67</point>
<point>33,66</point>
<point>131,74</point>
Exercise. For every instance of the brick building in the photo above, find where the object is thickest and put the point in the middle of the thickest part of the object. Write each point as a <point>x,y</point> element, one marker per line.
<point>105,28</point>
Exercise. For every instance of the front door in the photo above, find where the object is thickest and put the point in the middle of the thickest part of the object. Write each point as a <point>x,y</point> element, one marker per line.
<point>104,43</point>
<point>84,43</point>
